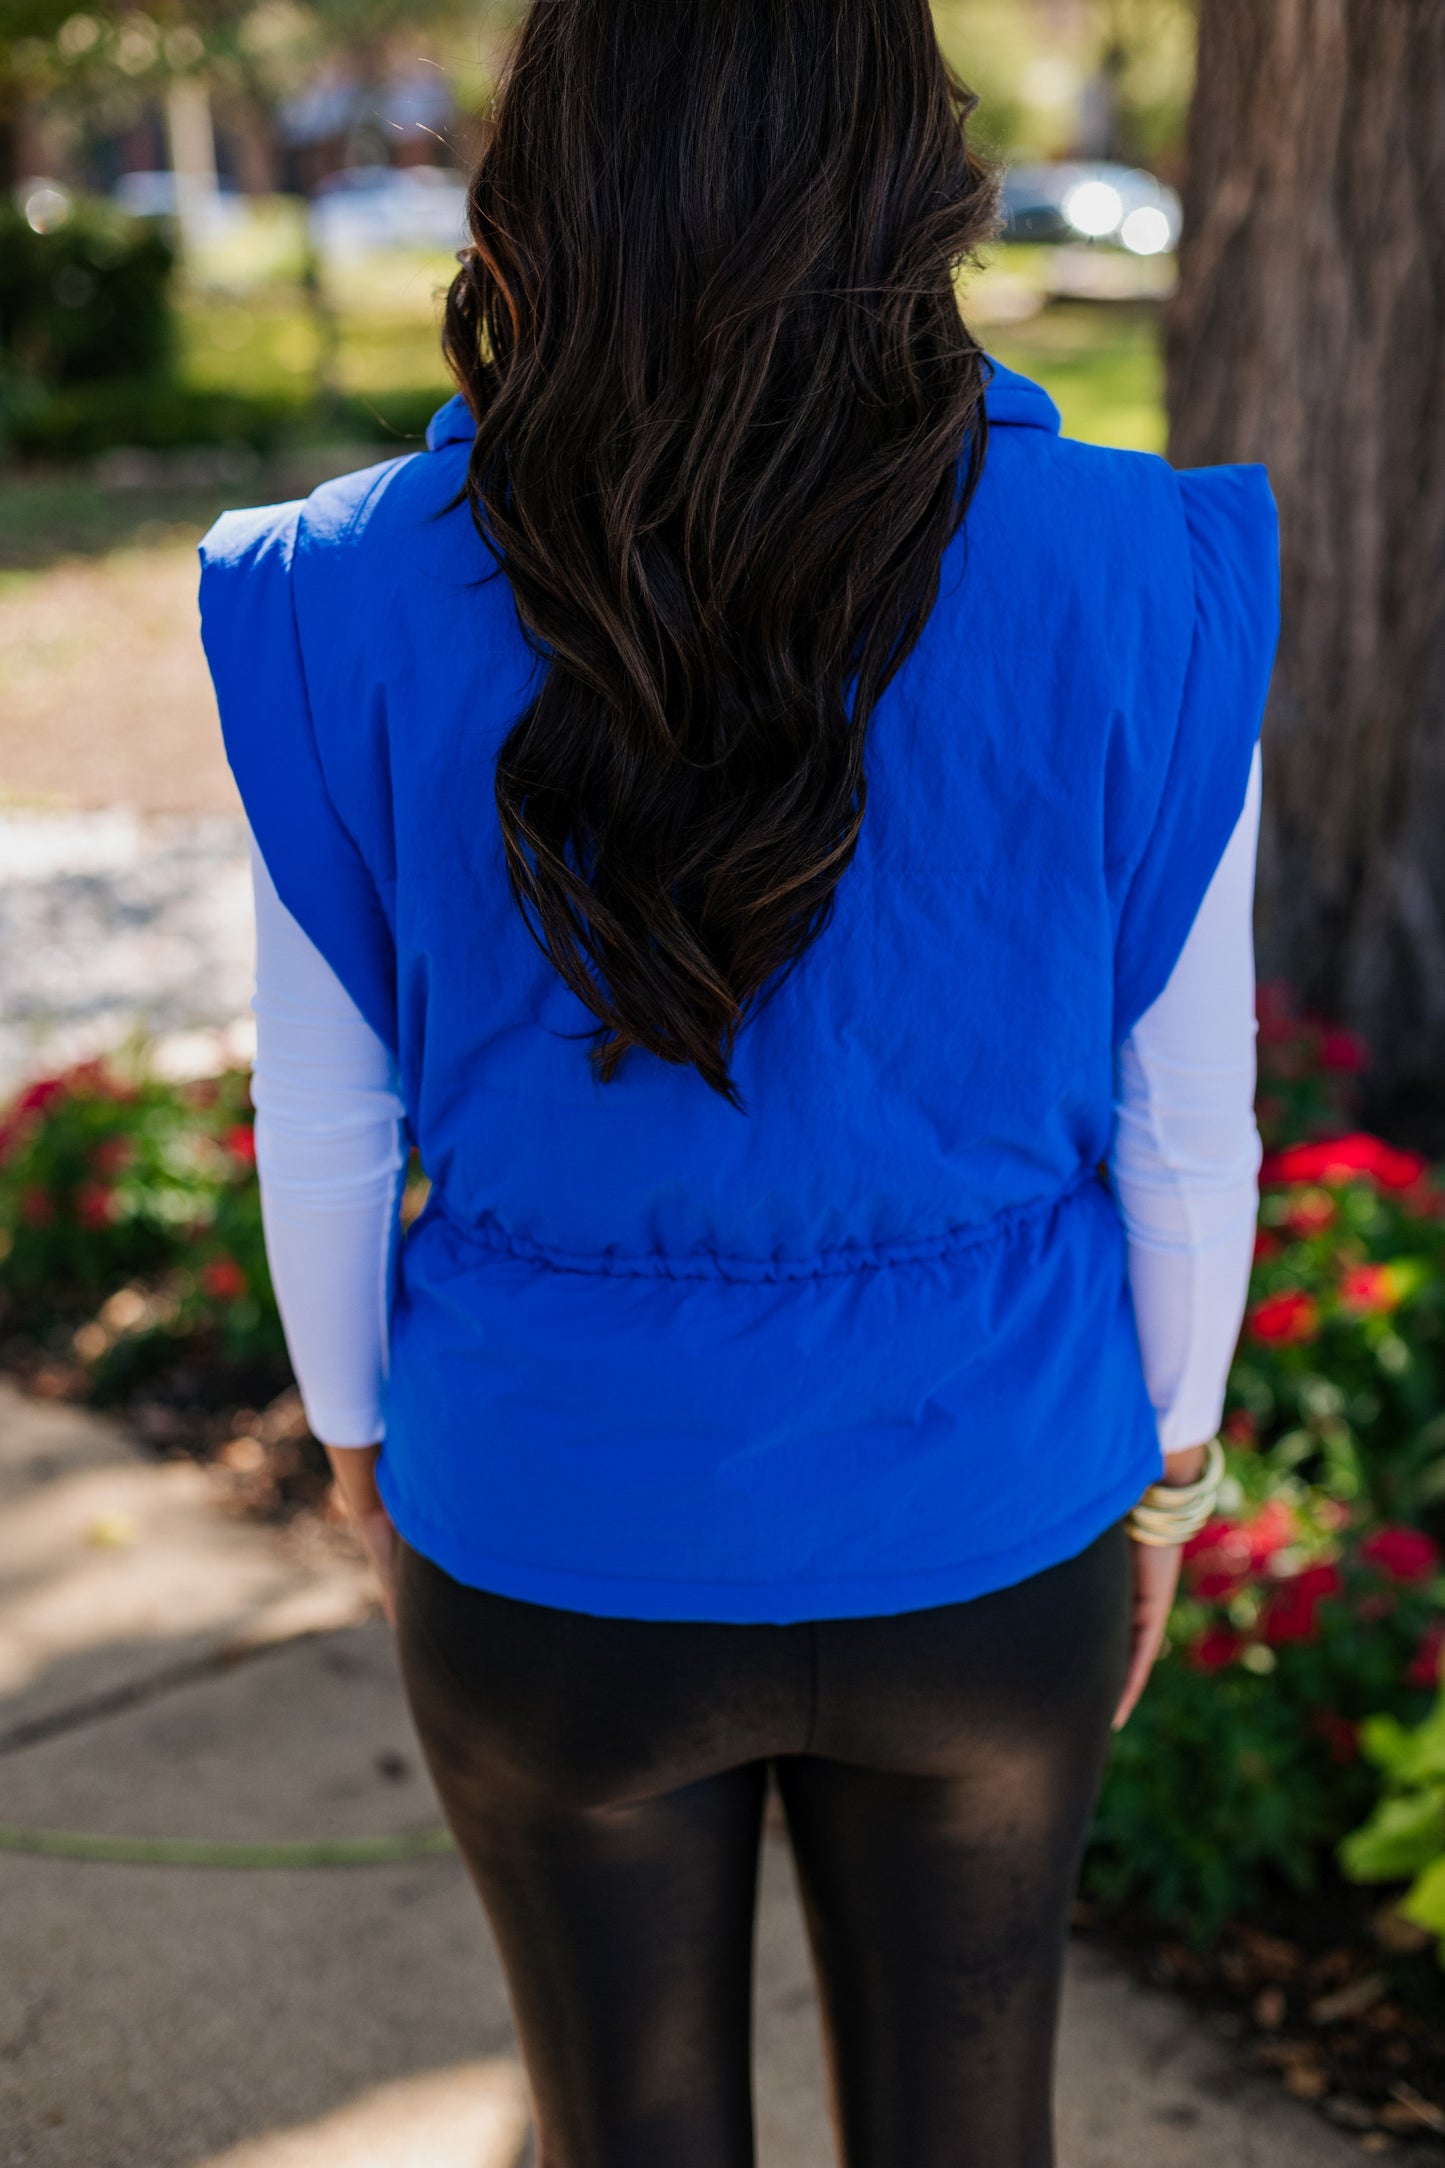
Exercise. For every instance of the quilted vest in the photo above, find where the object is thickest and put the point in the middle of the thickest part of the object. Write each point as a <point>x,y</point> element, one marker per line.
<point>868,1345</point>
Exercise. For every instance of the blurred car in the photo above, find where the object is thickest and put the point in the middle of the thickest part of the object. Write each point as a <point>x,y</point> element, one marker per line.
<point>1121,206</point>
<point>156,195</point>
<point>364,208</point>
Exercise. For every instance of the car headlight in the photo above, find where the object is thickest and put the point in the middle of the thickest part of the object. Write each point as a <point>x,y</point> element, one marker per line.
<point>1094,208</point>
<point>1145,230</point>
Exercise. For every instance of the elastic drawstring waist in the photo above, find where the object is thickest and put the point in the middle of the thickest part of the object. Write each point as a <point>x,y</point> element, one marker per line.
<point>723,1265</point>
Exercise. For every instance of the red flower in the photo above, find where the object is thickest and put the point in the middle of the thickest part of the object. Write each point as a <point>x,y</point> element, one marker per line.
<point>1402,1554</point>
<point>37,1207</point>
<point>1214,1576</point>
<point>1337,1732</point>
<point>111,1154</point>
<point>1285,1320</point>
<point>1240,1425</point>
<point>95,1204</point>
<point>1424,1667</point>
<point>1341,1049</point>
<point>223,1279</point>
<point>38,1096</point>
<point>1215,1648</point>
<point>1344,1159</point>
<point>1369,1290</point>
<point>1310,1213</point>
<point>1223,1556</point>
<point>1270,1530</point>
<point>1266,1244</point>
<point>240,1142</point>
<point>1210,1537</point>
<point>1289,1613</point>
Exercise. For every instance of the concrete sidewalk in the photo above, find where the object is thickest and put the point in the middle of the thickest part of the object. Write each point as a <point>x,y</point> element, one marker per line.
<point>167,1672</point>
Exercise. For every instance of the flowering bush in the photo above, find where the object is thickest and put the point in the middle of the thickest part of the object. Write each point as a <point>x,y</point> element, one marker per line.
<point>1242,1764</point>
<point>1308,1071</point>
<point>130,1221</point>
<point>131,1240</point>
<point>1340,1374</point>
<point>1317,1597</point>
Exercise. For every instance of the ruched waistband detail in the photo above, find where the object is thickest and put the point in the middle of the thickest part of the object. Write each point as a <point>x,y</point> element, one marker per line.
<point>726,1265</point>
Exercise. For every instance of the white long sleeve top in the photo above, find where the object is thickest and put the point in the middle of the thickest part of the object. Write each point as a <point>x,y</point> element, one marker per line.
<point>330,1154</point>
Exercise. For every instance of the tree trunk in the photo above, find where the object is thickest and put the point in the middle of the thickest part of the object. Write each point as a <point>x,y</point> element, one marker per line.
<point>1308,331</point>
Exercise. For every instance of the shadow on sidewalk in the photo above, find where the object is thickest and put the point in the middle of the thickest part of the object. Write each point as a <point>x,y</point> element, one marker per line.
<point>168,1672</point>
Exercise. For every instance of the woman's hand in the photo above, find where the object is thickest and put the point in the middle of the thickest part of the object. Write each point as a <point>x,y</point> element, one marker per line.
<point>354,1470</point>
<point>1156,1576</point>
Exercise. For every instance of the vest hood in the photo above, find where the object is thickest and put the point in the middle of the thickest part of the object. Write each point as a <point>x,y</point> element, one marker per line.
<point>1008,397</point>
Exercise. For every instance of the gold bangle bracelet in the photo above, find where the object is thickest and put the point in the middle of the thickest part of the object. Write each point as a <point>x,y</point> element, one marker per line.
<point>1170,1513</point>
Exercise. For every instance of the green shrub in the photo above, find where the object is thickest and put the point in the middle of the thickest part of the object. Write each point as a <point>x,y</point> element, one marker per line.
<point>1315,1598</point>
<point>82,420</point>
<point>1340,1373</point>
<point>1405,1835</point>
<point>88,302</point>
<point>1241,1768</point>
<point>129,1211</point>
<point>1308,1071</point>
<point>130,1225</point>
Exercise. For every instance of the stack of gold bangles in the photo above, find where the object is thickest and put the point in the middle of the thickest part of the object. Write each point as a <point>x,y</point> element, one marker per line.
<point>1170,1513</point>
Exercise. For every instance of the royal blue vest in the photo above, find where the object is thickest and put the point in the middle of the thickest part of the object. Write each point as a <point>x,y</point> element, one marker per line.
<point>868,1345</point>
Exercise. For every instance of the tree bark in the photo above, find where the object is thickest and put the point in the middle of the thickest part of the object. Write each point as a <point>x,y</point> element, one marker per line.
<point>1308,331</point>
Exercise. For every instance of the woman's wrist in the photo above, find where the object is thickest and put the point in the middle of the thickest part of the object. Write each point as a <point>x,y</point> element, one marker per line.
<point>1187,1465</point>
<point>1179,1505</point>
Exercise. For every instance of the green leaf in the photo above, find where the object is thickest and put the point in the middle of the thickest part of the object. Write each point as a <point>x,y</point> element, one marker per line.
<point>1407,1757</point>
<point>1401,1837</point>
<point>1424,1901</point>
<point>1384,1741</point>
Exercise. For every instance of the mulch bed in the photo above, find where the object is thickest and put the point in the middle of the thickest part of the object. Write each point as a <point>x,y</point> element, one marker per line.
<point>1332,1992</point>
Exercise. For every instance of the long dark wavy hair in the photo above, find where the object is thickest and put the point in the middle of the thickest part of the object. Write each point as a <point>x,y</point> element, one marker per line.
<point>728,419</point>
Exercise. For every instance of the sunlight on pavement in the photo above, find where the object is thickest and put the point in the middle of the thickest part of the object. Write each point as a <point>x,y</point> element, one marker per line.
<point>114,1566</point>
<point>472,2116</point>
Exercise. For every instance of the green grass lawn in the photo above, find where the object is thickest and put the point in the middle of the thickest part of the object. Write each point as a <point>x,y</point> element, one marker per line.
<point>1100,360</point>
<point>60,513</point>
<point>265,342</point>
<point>1101,364</point>
<point>379,321</point>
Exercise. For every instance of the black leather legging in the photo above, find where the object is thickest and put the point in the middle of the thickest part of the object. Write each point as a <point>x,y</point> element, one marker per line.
<point>605,1781</point>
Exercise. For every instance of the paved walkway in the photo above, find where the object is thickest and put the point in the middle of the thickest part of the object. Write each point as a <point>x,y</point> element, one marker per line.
<point>167,1670</point>
<point>115,920</point>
